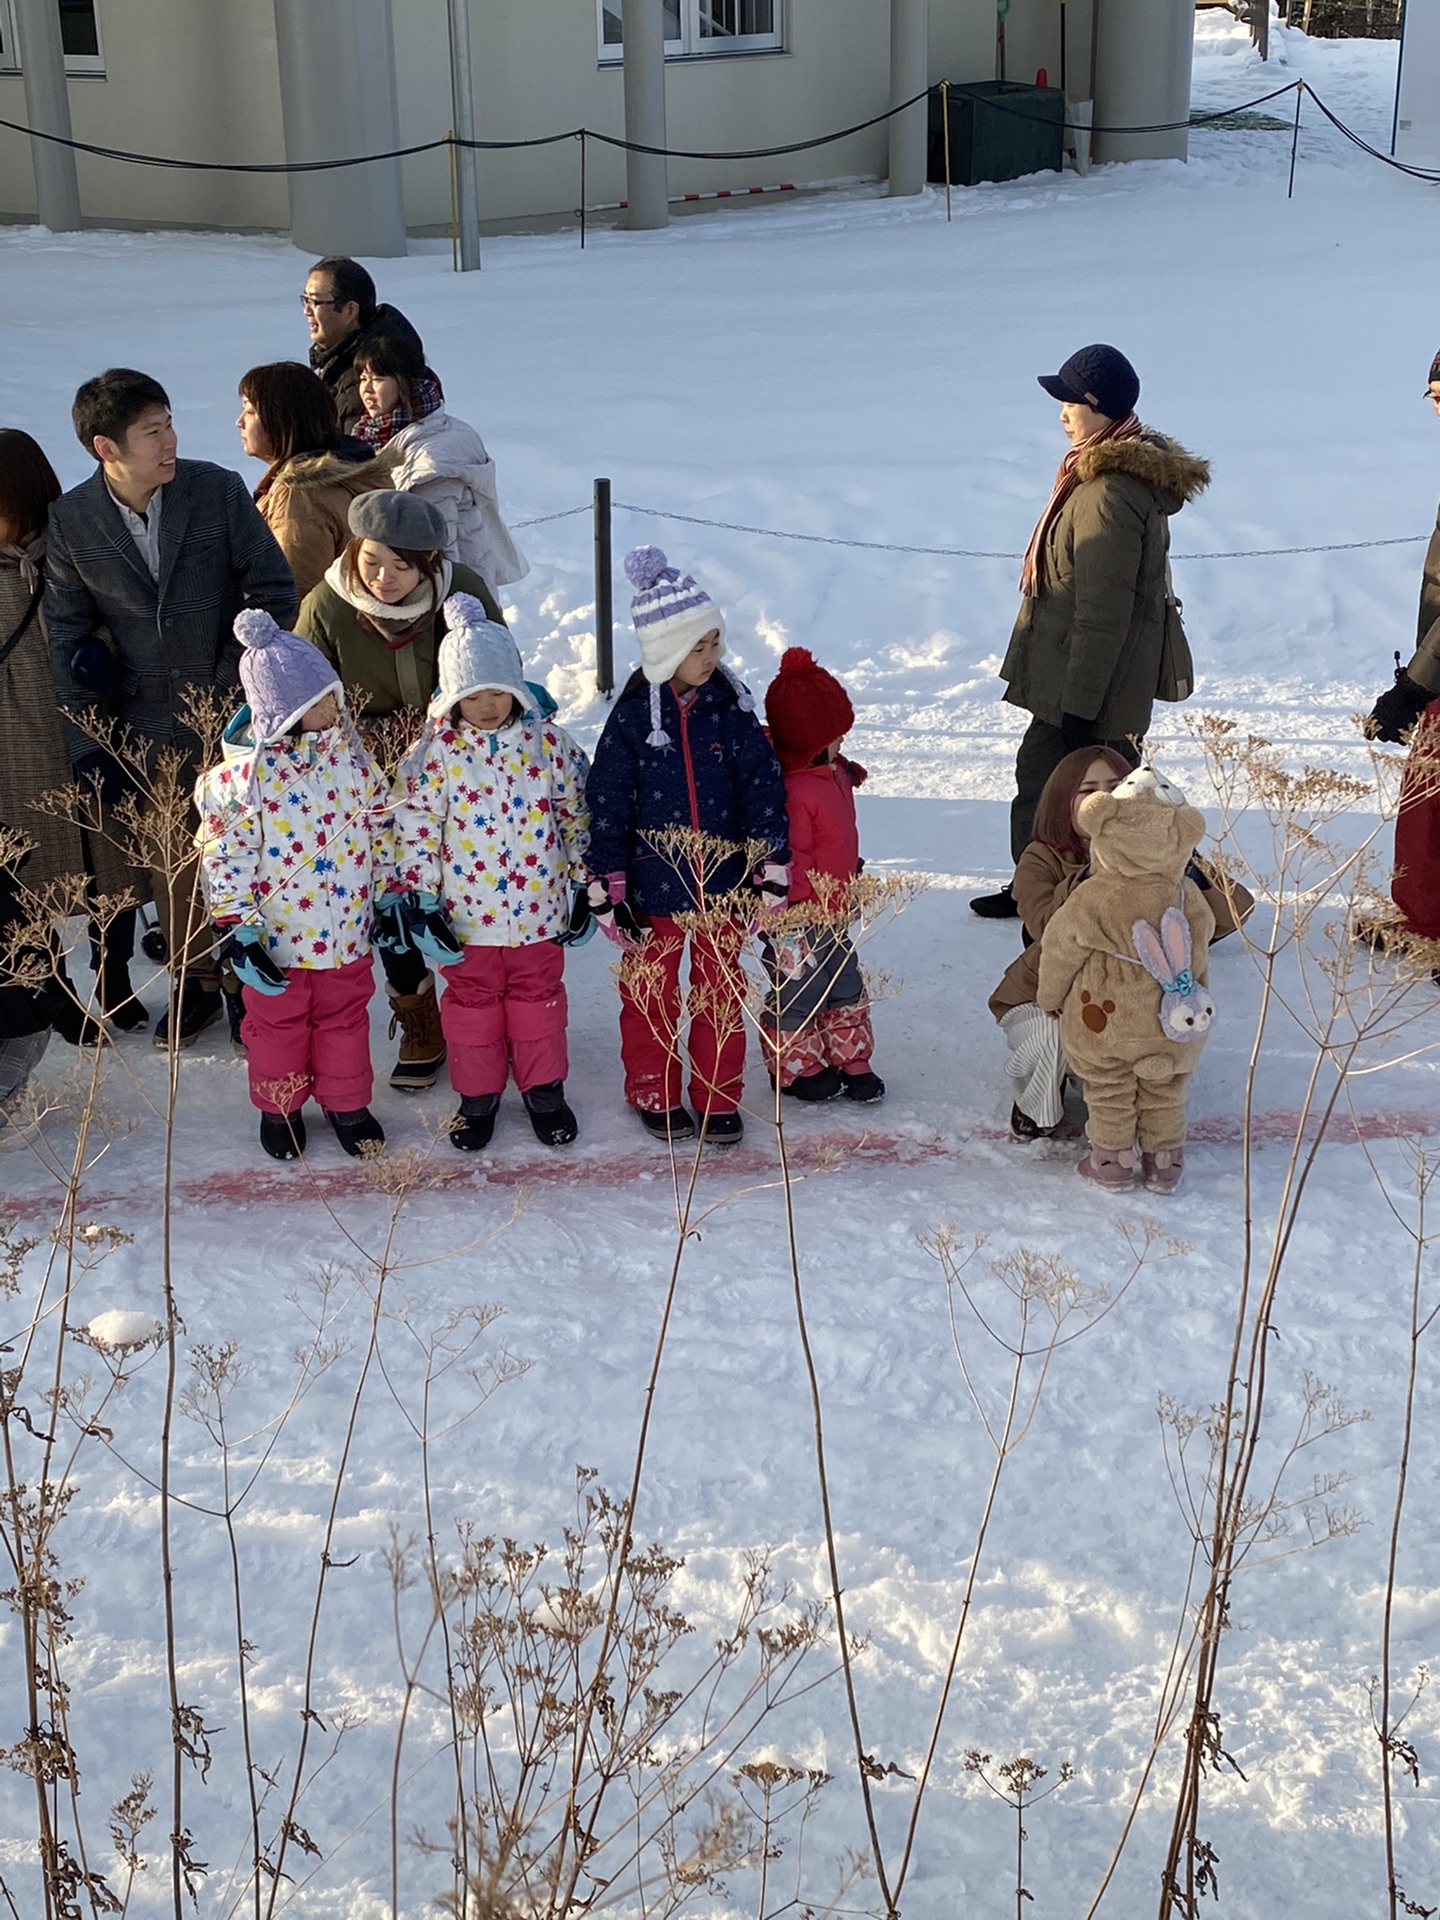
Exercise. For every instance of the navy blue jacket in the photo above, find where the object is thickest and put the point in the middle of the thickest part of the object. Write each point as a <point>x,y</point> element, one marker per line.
<point>718,775</point>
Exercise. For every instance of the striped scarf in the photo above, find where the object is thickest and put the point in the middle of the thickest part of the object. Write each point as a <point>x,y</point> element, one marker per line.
<point>379,429</point>
<point>1032,580</point>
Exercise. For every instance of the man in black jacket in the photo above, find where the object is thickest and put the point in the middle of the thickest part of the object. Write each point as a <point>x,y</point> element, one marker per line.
<point>148,564</point>
<point>341,311</point>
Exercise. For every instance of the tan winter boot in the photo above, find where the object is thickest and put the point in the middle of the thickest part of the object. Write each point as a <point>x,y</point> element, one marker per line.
<point>1109,1167</point>
<point>416,1016</point>
<point>1162,1171</point>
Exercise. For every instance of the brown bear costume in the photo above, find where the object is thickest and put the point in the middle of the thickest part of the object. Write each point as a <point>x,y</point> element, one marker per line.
<point>1126,957</point>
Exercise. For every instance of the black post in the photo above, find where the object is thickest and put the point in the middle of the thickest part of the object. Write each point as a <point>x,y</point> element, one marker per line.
<point>604,610</point>
<point>1295,138</point>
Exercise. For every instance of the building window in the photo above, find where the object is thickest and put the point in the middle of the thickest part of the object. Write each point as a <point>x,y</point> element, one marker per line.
<point>79,35</point>
<point>694,27</point>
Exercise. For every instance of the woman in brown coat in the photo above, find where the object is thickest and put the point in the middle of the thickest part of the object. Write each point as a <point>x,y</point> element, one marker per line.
<point>313,472</point>
<point>33,756</point>
<point>1049,870</point>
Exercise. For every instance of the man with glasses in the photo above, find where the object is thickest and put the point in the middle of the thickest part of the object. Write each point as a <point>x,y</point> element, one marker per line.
<point>1404,712</point>
<point>341,311</point>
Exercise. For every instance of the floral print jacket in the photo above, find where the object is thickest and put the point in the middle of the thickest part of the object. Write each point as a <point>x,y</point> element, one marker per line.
<point>497,825</point>
<point>296,838</point>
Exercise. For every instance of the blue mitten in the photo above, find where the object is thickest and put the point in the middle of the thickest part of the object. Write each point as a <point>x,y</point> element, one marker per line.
<point>92,666</point>
<point>388,932</point>
<point>581,924</point>
<point>429,930</point>
<point>244,948</point>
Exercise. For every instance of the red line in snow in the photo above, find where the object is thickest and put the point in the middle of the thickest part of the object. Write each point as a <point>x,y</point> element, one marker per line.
<point>834,1150</point>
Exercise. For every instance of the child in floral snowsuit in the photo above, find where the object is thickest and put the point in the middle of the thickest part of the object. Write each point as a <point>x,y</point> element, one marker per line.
<point>294,849</point>
<point>492,830</point>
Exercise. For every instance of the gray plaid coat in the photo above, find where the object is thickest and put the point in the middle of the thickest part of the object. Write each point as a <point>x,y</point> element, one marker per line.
<point>216,556</point>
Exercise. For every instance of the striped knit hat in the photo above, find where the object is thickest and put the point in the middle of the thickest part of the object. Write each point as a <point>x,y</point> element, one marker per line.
<point>671,615</point>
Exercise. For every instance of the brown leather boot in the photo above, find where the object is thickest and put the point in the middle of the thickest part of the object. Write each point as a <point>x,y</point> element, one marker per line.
<point>416,1017</point>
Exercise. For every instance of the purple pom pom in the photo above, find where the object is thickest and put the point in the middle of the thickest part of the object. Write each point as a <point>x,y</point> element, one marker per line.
<point>256,628</point>
<point>646,567</point>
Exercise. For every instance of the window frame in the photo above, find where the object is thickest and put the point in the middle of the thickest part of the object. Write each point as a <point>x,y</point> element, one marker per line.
<point>691,45</point>
<point>78,66</point>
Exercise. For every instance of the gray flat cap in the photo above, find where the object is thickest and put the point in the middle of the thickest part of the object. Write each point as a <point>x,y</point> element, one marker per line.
<point>398,520</point>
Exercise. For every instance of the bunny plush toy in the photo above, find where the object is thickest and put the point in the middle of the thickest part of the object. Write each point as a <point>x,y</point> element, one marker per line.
<point>1125,963</point>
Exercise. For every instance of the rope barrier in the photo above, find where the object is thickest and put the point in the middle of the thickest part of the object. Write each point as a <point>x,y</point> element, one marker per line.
<point>131,158</point>
<point>985,553</point>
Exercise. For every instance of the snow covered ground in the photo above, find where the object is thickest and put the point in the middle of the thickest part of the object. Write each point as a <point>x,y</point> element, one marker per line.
<point>855,368</point>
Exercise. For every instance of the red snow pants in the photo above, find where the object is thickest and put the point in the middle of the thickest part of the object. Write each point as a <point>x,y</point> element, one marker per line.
<point>1415,883</point>
<point>314,1038</point>
<point>504,1008</point>
<point>650,1019</point>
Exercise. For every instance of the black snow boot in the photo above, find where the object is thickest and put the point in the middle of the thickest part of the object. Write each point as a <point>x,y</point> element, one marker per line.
<point>282,1135</point>
<point>555,1125</point>
<point>356,1131</point>
<point>474,1125</point>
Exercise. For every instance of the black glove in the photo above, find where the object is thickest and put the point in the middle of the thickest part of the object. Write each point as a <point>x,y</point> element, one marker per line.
<point>1397,709</point>
<point>92,666</point>
<point>101,769</point>
<point>1076,732</point>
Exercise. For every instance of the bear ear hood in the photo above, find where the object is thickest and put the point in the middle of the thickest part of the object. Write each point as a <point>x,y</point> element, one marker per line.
<point>1143,829</point>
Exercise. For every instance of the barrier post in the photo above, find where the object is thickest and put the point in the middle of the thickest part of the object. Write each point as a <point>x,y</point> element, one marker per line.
<point>582,189</point>
<point>454,211</point>
<point>1295,139</point>
<point>604,597</point>
<point>945,136</point>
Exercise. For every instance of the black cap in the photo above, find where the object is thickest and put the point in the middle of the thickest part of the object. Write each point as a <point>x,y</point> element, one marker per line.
<point>1434,371</point>
<point>1098,377</point>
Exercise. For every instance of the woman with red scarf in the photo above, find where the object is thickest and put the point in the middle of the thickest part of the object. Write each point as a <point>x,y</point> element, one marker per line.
<point>1084,659</point>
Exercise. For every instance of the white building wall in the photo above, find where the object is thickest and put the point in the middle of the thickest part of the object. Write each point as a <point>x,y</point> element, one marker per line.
<point>198,78</point>
<point>1417,115</point>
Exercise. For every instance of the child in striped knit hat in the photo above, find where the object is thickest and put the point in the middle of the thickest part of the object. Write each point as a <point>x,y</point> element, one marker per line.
<point>682,749</point>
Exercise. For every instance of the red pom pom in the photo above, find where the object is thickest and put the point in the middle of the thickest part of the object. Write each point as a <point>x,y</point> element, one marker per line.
<point>797,660</point>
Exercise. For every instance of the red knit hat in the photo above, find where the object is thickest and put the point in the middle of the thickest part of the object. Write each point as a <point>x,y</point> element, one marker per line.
<point>806,709</point>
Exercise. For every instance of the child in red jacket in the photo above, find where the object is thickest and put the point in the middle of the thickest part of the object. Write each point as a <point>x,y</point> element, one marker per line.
<point>817,1022</point>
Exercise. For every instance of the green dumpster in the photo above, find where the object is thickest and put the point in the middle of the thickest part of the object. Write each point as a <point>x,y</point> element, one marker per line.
<point>999,130</point>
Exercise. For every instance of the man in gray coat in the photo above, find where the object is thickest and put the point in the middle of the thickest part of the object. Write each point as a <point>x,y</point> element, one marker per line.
<point>149,562</point>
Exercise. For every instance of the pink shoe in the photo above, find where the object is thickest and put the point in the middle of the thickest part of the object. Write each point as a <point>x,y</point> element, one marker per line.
<point>1162,1170</point>
<point>1110,1167</point>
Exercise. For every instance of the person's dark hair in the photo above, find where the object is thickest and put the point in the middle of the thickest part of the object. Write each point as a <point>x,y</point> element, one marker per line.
<point>349,281</point>
<point>1055,815</point>
<point>428,563</point>
<point>27,484</point>
<point>296,409</point>
<point>394,357</point>
<point>112,402</point>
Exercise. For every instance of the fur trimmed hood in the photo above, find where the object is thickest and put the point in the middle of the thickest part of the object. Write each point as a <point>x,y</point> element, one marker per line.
<point>1161,463</point>
<point>332,469</point>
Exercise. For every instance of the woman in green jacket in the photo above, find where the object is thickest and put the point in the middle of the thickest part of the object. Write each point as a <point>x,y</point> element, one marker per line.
<point>1084,659</point>
<point>378,615</point>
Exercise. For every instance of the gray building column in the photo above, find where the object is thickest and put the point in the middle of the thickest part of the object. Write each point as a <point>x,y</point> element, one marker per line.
<point>647,175</point>
<point>47,108</point>
<point>909,75</point>
<point>338,97</point>
<point>462,96</point>
<point>1143,50</point>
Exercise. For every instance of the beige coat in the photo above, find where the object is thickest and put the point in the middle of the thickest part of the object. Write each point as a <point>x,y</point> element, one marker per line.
<point>1045,879</point>
<point>306,506</point>
<point>1120,1030</point>
<point>1090,644</point>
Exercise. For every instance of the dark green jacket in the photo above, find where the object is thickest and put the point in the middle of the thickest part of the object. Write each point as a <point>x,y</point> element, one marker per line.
<point>384,680</point>
<point>1424,669</point>
<point>1089,644</point>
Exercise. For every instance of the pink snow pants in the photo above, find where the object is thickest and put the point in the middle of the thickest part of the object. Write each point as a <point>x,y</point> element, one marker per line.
<point>503,1008</point>
<point>312,1039</point>
<point>1415,883</point>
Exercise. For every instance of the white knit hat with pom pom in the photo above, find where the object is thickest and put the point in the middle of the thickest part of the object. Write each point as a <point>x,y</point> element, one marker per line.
<point>671,615</point>
<point>283,675</point>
